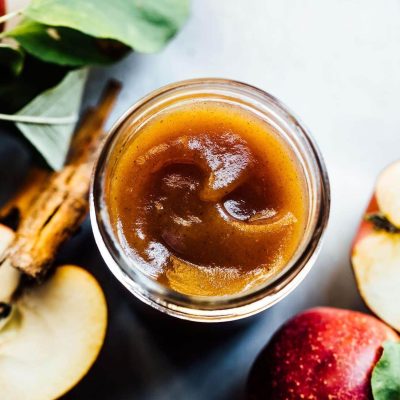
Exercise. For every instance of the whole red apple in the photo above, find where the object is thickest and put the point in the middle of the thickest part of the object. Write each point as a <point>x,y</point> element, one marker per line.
<point>322,353</point>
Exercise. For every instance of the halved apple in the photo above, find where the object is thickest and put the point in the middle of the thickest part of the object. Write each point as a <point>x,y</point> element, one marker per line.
<point>52,337</point>
<point>376,263</point>
<point>9,276</point>
<point>375,254</point>
<point>6,237</point>
<point>388,193</point>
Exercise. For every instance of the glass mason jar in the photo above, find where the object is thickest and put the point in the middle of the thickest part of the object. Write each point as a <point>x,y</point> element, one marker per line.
<point>291,131</point>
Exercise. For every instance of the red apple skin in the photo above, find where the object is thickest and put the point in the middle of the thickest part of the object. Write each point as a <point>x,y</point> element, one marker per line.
<point>2,12</point>
<point>366,227</point>
<point>320,354</point>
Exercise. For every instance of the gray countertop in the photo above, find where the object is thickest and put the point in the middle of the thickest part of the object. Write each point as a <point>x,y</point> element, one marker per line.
<point>336,64</point>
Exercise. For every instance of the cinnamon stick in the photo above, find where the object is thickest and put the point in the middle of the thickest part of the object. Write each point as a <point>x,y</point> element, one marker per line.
<point>16,209</point>
<point>63,203</point>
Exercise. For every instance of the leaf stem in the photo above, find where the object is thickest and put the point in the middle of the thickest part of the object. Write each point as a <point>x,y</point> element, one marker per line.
<point>32,119</point>
<point>10,15</point>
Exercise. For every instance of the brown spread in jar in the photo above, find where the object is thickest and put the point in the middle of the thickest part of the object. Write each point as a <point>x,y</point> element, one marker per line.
<point>208,199</point>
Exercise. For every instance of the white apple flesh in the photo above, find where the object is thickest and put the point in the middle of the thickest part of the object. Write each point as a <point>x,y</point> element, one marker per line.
<point>6,237</point>
<point>9,276</point>
<point>388,193</point>
<point>375,255</point>
<point>376,264</point>
<point>53,337</point>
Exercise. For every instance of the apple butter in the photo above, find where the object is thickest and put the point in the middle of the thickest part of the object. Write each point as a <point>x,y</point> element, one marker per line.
<point>208,199</point>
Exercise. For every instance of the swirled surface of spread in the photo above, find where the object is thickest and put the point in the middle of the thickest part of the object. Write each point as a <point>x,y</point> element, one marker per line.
<point>208,200</point>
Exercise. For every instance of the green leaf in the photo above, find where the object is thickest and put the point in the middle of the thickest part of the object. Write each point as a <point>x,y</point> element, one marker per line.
<point>144,25</point>
<point>52,140</point>
<point>36,77</point>
<point>62,46</point>
<point>11,59</point>
<point>386,374</point>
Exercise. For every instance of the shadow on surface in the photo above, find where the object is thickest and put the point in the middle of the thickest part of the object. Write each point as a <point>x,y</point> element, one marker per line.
<point>14,162</point>
<point>149,355</point>
<point>146,355</point>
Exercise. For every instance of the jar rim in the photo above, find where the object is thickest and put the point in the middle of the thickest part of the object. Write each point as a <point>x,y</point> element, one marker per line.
<point>211,308</point>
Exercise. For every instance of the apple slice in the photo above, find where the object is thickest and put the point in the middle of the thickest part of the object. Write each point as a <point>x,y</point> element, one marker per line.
<point>53,336</point>
<point>376,264</point>
<point>9,276</point>
<point>375,254</point>
<point>388,193</point>
<point>6,237</point>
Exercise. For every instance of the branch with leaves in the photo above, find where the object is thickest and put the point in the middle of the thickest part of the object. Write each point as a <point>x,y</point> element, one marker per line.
<point>43,58</point>
<point>51,210</point>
